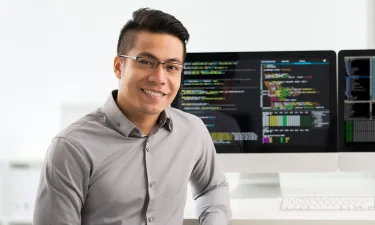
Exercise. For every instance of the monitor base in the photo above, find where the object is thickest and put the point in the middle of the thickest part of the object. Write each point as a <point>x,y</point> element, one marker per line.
<point>258,186</point>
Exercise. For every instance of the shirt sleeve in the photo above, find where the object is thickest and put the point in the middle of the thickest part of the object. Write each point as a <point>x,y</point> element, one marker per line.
<point>209,187</point>
<point>63,185</point>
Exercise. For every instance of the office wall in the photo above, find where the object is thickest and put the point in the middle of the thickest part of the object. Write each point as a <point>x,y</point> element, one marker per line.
<point>55,52</point>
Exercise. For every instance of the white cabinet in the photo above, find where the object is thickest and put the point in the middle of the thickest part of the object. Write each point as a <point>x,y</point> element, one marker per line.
<point>19,182</point>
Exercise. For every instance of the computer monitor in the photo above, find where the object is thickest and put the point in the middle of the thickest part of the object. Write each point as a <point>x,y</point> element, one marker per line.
<point>356,72</point>
<point>267,112</point>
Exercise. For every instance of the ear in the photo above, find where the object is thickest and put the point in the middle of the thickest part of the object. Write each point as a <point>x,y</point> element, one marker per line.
<point>117,67</point>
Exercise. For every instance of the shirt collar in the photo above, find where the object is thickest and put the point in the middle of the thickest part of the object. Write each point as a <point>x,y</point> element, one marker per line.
<point>123,124</point>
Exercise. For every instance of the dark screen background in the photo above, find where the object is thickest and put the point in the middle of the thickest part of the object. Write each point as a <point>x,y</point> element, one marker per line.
<point>228,92</point>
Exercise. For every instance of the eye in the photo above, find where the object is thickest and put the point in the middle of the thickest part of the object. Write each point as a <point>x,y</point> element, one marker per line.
<point>173,67</point>
<point>144,61</point>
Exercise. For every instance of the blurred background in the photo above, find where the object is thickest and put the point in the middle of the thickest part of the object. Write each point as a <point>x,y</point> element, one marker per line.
<point>56,61</point>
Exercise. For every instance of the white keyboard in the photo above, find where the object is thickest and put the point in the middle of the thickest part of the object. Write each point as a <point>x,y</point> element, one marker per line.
<point>328,203</point>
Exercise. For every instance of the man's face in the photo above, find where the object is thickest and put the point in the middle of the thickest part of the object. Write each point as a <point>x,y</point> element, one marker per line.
<point>150,90</point>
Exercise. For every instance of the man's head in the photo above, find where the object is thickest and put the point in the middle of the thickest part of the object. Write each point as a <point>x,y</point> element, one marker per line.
<point>150,37</point>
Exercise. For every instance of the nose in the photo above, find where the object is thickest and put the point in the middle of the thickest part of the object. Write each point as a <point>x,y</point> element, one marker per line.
<point>158,75</point>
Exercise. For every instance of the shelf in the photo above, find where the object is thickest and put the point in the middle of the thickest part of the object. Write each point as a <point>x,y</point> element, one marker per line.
<point>17,221</point>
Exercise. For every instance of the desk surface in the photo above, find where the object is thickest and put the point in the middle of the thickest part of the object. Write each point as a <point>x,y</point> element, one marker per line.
<point>269,209</point>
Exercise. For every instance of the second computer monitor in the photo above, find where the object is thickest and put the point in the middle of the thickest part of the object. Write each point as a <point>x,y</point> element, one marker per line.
<point>356,72</point>
<point>266,111</point>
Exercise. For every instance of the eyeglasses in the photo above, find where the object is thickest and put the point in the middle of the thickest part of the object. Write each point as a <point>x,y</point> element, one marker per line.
<point>148,63</point>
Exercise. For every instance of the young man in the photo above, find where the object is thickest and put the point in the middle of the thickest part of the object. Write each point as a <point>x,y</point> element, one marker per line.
<point>130,161</point>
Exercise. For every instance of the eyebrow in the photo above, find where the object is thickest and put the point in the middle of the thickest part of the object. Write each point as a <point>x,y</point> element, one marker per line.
<point>150,55</point>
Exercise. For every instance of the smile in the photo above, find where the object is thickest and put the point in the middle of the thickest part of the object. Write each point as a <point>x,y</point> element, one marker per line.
<point>153,93</point>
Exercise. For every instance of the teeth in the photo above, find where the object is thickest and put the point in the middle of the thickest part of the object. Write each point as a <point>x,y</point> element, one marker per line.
<point>157,94</point>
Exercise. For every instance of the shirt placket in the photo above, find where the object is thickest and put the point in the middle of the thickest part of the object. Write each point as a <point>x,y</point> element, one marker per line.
<point>150,213</point>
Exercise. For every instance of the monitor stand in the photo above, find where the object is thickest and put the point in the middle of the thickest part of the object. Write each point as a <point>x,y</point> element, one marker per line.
<point>253,185</point>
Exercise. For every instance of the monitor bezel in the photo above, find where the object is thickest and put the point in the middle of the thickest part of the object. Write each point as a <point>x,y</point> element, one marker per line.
<point>343,147</point>
<point>330,55</point>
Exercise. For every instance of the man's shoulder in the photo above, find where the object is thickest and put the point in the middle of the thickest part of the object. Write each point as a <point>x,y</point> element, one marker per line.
<point>83,125</point>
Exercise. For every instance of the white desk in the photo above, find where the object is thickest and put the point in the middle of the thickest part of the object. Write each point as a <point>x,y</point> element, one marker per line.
<point>267,212</point>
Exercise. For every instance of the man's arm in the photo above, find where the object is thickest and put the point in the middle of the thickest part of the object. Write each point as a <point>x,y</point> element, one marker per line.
<point>63,185</point>
<point>209,187</point>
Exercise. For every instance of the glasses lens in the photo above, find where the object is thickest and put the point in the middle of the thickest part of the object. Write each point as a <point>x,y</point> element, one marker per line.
<point>173,68</point>
<point>146,63</point>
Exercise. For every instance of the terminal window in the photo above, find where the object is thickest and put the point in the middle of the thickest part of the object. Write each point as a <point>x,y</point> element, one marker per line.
<point>246,103</point>
<point>359,108</point>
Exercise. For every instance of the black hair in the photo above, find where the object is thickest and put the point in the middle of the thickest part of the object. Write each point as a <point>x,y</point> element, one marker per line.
<point>151,20</point>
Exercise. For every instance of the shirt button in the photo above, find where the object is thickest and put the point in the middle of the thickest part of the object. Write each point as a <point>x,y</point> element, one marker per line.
<point>147,149</point>
<point>152,184</point>
<point>118,124</point>
<point>150,219</point>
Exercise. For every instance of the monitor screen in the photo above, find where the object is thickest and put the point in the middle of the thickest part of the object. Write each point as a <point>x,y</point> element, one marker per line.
<point>263,102</point>
<point>357,99</point>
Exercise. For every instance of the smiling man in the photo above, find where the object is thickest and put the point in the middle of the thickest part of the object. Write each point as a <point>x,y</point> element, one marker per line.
<point>130,161</point>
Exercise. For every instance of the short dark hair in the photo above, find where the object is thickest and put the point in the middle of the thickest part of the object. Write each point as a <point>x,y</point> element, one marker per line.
<point>151,20</point>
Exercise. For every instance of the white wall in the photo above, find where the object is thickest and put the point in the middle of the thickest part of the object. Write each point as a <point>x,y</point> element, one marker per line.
<point>61,51</point>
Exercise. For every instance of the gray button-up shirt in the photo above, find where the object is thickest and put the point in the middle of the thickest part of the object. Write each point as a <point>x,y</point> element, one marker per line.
<point>101,170</point>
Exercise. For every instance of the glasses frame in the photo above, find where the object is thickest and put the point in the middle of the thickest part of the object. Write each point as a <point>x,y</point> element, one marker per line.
<point>157,63</point>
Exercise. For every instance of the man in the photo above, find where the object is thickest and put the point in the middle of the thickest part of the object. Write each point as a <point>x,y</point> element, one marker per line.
<point>130,161</point>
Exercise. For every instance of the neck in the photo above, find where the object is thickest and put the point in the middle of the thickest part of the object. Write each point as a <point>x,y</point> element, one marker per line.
<point>144,122</point>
